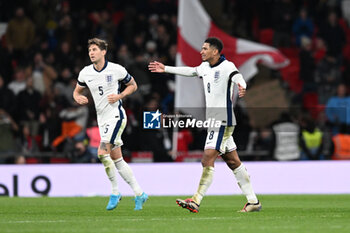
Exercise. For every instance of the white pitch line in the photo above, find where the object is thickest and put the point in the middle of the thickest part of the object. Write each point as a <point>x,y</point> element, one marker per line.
<point>35,221</point>
<point>128,219</point>
<point>176,219</point>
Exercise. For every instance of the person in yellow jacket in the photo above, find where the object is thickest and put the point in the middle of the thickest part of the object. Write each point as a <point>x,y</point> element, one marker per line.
<point>311,139</point>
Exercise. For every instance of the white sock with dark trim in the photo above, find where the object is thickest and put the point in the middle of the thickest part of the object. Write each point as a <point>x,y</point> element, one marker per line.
<point>243,180</point>
<point>110,171</point>
<point>204,184</point>
<point>127,174</point>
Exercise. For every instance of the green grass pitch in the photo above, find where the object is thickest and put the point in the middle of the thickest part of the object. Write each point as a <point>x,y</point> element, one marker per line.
<point>280,213</point>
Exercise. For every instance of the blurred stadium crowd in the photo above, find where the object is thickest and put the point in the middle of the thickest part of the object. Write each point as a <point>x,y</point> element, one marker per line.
<point>43,48</point>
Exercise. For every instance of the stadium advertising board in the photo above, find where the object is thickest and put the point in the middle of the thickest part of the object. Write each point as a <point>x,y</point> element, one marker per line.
<point>319,177</point>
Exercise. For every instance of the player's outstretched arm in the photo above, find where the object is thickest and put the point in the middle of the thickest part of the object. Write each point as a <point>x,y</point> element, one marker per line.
<point>156,67</point>
<point>78,96</point>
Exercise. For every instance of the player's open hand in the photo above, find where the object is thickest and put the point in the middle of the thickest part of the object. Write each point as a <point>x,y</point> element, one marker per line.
<point>156,67</point>
<point>112,98</point>
<point>82,100</point>
<point>241,91</point>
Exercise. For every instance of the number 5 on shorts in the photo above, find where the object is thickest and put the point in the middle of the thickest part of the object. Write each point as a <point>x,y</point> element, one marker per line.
<point>106,129</point>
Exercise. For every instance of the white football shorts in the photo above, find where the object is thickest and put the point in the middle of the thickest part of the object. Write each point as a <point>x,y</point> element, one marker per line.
<point>221,139</point>
<point>111,132</point>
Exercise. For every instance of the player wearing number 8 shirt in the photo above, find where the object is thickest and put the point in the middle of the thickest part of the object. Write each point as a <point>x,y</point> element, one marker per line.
<point>103,78</point>
<point>219,77</point>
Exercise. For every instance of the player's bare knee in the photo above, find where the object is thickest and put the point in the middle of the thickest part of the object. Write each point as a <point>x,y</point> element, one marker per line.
<point>116,153</point>
<point>104,148</point>
<point>105,159</point>
<point>233,164</point>
<point>207,163</point>
<point>101,152</point>
<point>209,158</point>
<point>232,161</point>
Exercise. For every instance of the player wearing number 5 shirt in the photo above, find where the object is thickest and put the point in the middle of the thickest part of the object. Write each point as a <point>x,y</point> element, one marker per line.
<point>103,79</point>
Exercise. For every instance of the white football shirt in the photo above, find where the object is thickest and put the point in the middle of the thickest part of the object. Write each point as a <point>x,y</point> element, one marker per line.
<point>103,83</point>
<point>218,82</point>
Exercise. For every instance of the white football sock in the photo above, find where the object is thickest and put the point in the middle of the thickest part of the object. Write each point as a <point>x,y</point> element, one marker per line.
<point>204,183</point>
<point>111,172</point>
<point>243,180</point>
<point>127,174</point>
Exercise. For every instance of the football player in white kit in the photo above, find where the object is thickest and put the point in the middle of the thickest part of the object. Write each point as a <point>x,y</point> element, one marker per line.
<point>219,76</point>
<point>104,78</point>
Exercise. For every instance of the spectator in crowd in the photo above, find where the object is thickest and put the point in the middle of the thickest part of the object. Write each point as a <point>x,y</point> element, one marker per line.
<point>341,144</point>
<point>52,104</point>
<point>259,144</point>
<point>303,27</point>
<point>81,153</point>
<point>163,40</point>
<point>74,122</point>
<point>332,33</point>
<point>65,57</point>
<point>151,53</point>
<point>104,28</point>
<point>66,31</point>
<point>38,77</point>
<point>43,74</point>
<point>28,109</point>
<point>311,140</point>
<point>18,84</point>
<point>20,159</point>
<point>6,70</point>
<point>172,54</point>
<point>65,84</point>
<point>41,12</point>
<point>124,57</point>
<point>307,65</point>
<point>50,128</point>
<point>338,109</point>
<point>283,17</point>
<point>153,21</point>
<point>286,139</point>
<point>139,70</point>
<point>20,34</point>
<point>320,11</point>
<point>138,44</point>
<point>7,98</point>
<point>320,50</point>
<point>325,127</point>
<point>9,130</point>
<point>327,78</point>
<point>93,134</point>
<point>30,143</point>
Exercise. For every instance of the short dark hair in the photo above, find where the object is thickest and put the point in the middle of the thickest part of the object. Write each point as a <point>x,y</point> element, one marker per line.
<point>215,42</point>
<point>102,44</point>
